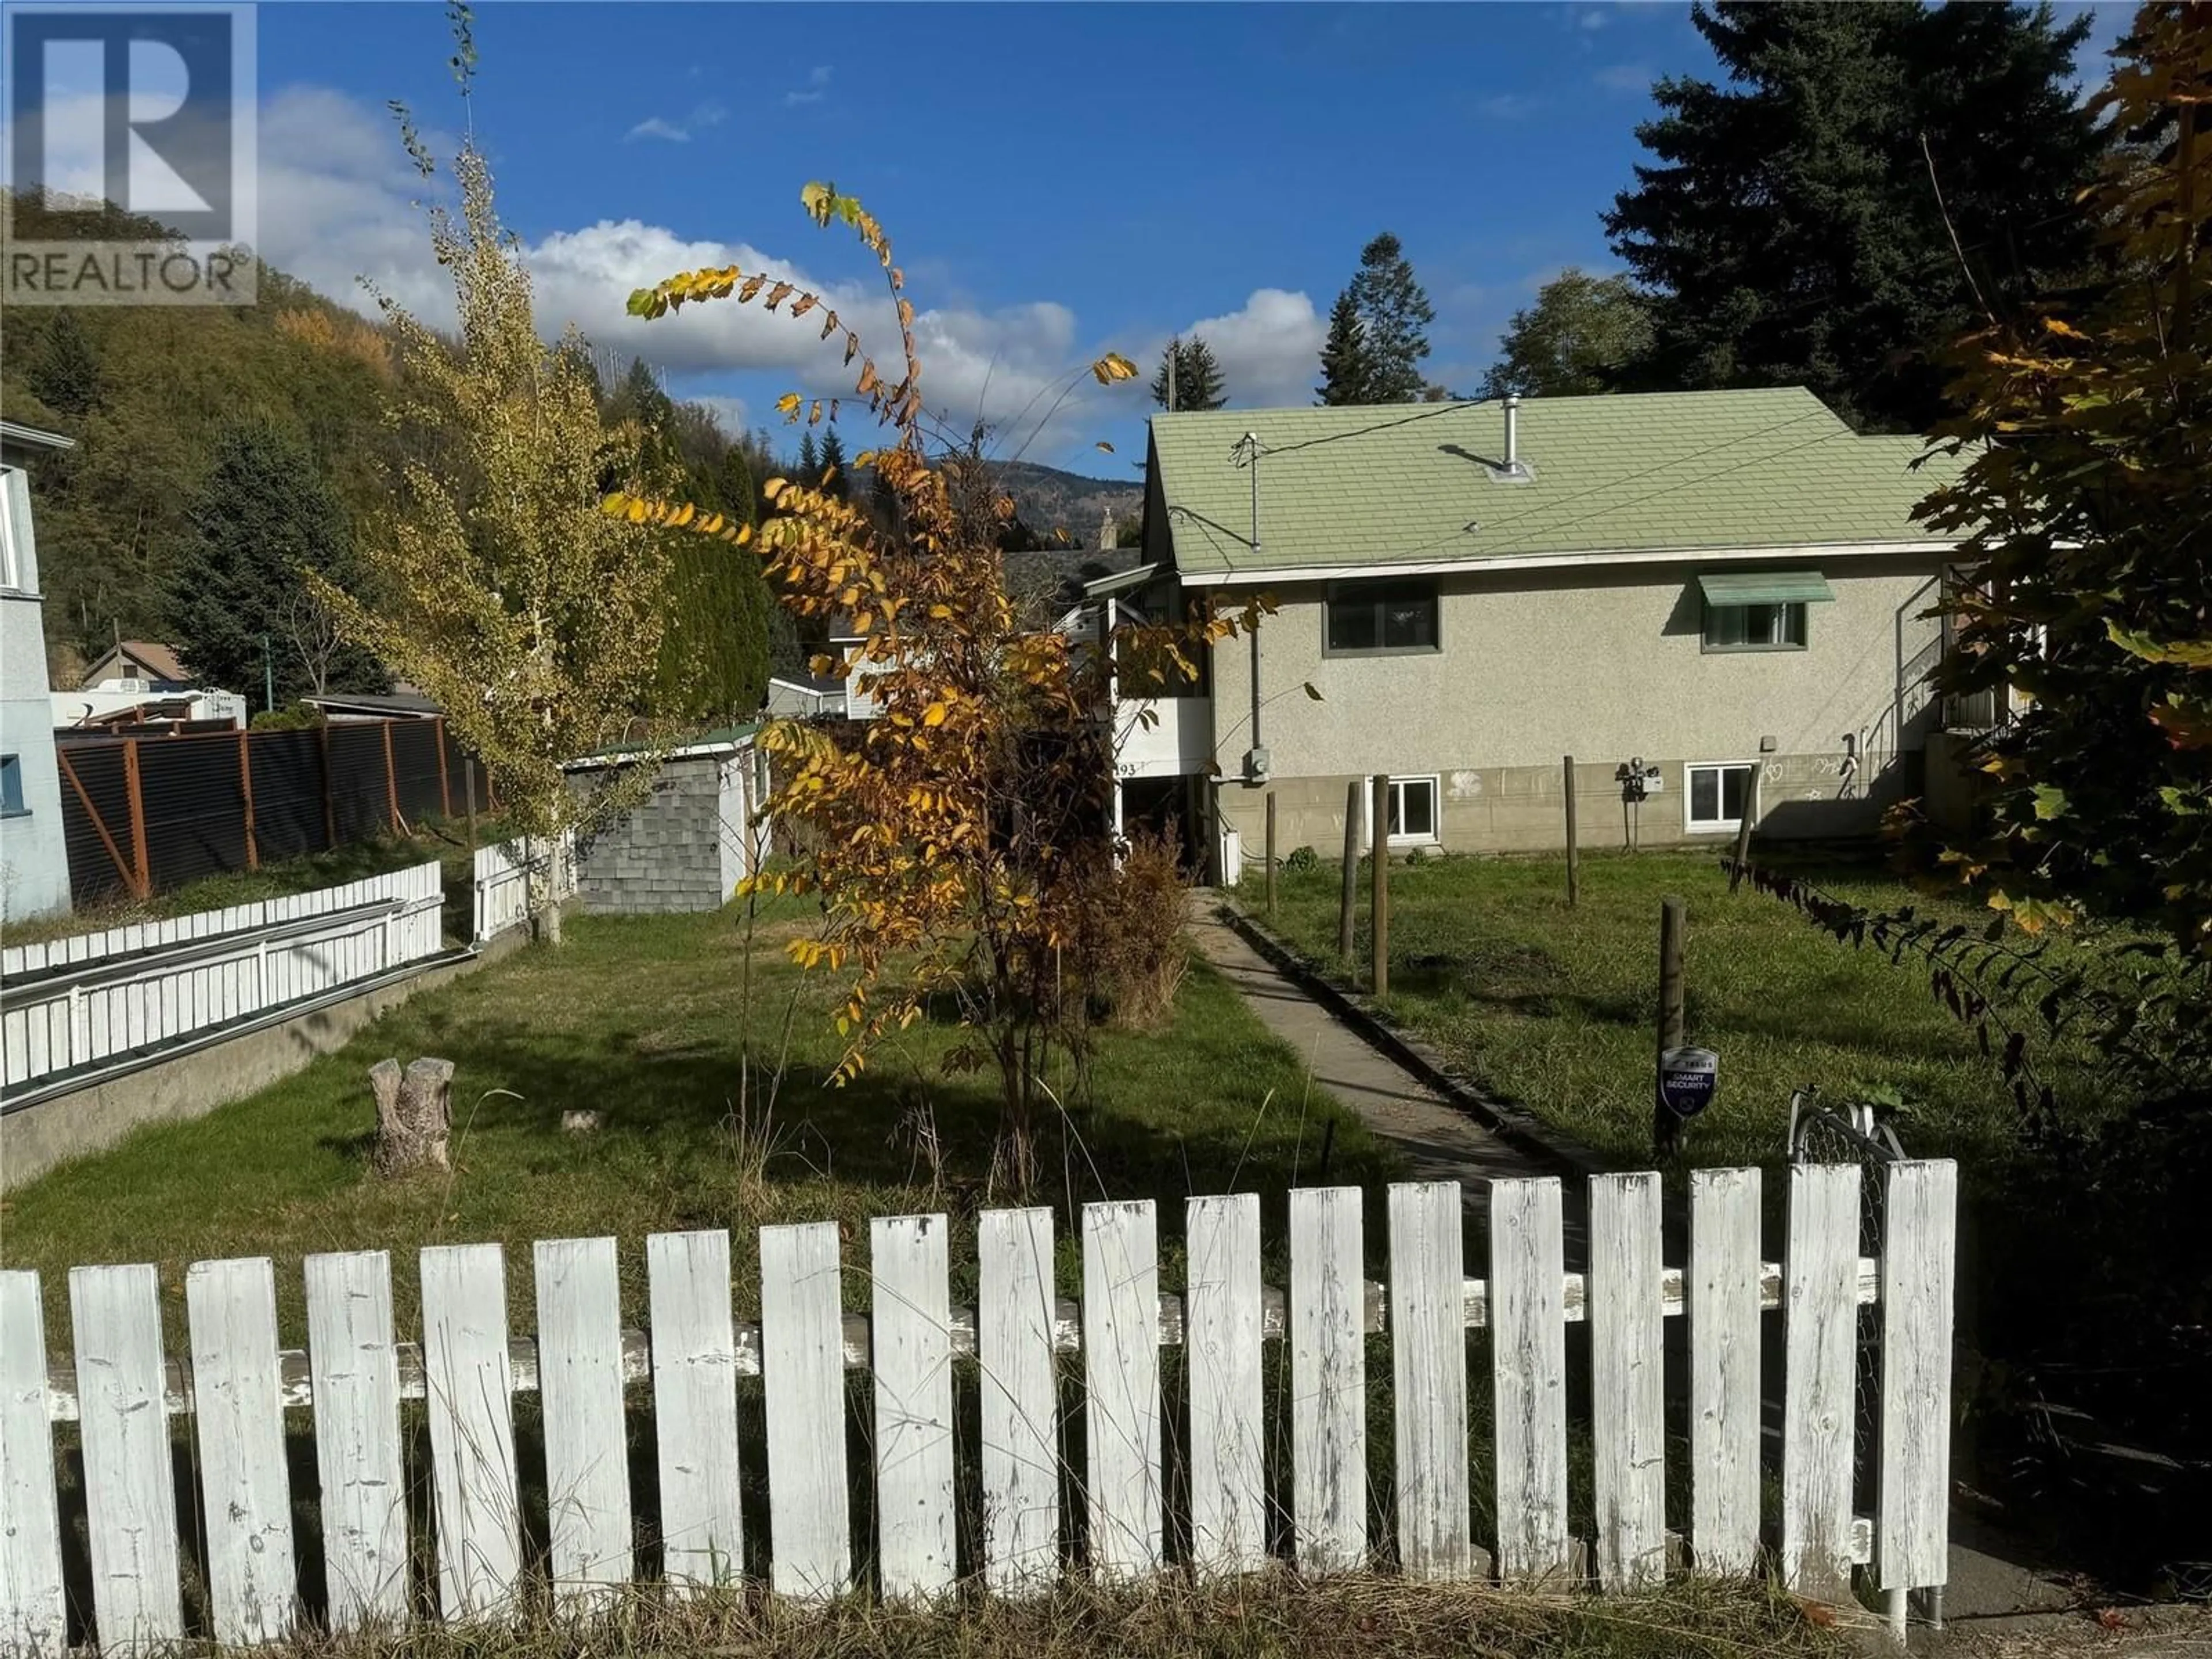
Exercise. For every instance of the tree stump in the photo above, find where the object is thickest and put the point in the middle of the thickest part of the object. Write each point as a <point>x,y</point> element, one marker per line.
<point>414,1114</point>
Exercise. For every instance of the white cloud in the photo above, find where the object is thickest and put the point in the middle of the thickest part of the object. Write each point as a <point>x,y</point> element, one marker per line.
<point>1508,105</point>
<point>1625,77</point>
<point>337,204</point>
<point>678,132</point>
<point>815,90</point>
<point>1269,348</point>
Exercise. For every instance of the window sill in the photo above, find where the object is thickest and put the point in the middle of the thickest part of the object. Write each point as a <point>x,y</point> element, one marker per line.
<point>1727,829</point>
<point>15,813</point>
<point>1332,654</point>
<point>1748,650</point>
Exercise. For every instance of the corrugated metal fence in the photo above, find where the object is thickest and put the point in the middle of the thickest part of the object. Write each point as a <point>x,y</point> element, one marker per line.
<point>143,815</point>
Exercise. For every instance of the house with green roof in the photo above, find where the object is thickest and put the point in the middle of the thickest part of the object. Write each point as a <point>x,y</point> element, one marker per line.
<point>1714,601</point>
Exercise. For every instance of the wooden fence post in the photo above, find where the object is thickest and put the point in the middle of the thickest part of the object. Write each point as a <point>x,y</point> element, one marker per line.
<point>1665,1126</point>
<point>329,805</point>
<point>1742,845</point>
<point>1351,899</point>
<point>1574,871</point>
<point>391,780</point>
<point>124,867</point>
<point>246,789</point>
<point>1379,900</point>
<point>1270,855</point>
<point>469,788</point>
<point>142,863</point>
<point>445,786</point>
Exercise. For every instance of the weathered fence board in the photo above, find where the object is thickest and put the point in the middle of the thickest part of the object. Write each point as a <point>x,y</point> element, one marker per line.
<point>579,1379</point>
<point>32,1616</point>
<point>1221,1347</point>
<point>802,1362</point>
<point>1121,1356</point>
<point>1015,1321</point>
<point>131,1502</point>
<point>695,1401</point>
<point>1329,1380</point>
<point>911,1258</point>
<point>1529,1366</point>
<point>354,1366</point>
<point>466,1369</point>
<point>1821,1329</point>
<point>1627,1382</point>
<point>239,1413</point>
<point>1428,1353</point>
<point>1724,1381</point>
<point>237,1385</point>
<point>1912,1543</point>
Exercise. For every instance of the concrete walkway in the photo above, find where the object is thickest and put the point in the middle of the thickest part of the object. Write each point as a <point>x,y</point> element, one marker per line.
<point>1439,1141</point>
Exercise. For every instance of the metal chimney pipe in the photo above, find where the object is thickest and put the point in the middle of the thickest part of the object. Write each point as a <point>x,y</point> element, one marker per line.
<point>1512,432</point>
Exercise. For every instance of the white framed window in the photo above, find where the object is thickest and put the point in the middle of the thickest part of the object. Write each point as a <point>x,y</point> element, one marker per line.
<point>10,572</point>
<point>1416,813</point>
<point>1716,795</point>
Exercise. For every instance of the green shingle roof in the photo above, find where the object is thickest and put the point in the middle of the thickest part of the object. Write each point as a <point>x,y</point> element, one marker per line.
<point>1763,469</point>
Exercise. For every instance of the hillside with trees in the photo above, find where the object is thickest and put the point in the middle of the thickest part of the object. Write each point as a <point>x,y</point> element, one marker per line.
<point>219,451</point>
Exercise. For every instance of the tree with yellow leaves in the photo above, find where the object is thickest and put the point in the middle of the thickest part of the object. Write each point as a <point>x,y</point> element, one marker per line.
<point>961,840</point>
<point>531,618</point>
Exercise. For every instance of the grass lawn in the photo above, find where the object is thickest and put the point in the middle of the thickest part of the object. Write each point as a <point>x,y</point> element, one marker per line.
<point>651,1022</point>
<point>1555,1008</point>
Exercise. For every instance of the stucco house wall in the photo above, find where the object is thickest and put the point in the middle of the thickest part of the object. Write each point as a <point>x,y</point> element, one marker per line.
<point>1603,663</point>
<point>33,853</point>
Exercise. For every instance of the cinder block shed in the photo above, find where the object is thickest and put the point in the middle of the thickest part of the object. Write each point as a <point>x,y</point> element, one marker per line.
<point>688,843</point>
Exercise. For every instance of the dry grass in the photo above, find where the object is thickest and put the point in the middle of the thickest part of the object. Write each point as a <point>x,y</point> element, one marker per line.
<point>1273,1617</point>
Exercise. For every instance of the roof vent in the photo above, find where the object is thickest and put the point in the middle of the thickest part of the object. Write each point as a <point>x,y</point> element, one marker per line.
<point>1512,468</point>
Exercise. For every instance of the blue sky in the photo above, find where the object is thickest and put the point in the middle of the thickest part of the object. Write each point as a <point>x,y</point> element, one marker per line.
<point>1059,180</point>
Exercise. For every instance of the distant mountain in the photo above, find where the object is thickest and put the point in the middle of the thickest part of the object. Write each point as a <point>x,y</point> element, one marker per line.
<point>1047,499</point>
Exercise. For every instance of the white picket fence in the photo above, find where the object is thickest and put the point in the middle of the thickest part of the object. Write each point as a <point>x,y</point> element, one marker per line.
<point>74,1002</point>
<point>467,1368</point>
<point>503,876</point>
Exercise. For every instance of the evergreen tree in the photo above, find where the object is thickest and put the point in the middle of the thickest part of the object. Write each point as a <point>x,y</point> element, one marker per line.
<point>1394,315</point>
<point>1789,230</point>
<point>264,515</point>
<point>810,462</point>
<point>1197,376</point>
<point>835,482</point>
<point>734,483</point>
<point>64,374</point>
<point>1347,372</point>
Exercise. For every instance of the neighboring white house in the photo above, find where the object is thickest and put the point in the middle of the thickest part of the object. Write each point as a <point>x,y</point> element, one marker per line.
<point>1726,588</point>
<point>34,878</point>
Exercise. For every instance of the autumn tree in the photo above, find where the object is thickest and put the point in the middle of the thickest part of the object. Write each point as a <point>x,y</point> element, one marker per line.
<point>1576,339</point>
<point>1189,376</point>
<point>960,842</point>
<point>532,618</point>
<point>2088,426</point>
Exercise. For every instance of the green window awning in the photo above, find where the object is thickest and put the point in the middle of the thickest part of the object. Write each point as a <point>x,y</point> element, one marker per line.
<point>1767,587</point>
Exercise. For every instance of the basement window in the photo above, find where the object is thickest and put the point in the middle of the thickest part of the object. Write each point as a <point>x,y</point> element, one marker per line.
<point>1719,795</point>
<point>1380,618</point>
<point>1414,818</point>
